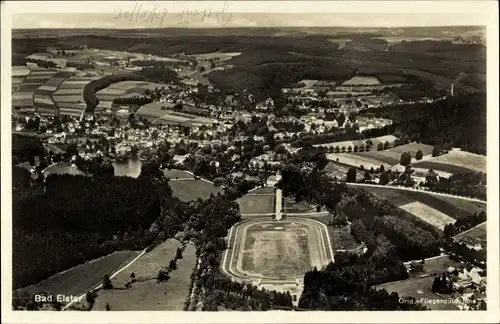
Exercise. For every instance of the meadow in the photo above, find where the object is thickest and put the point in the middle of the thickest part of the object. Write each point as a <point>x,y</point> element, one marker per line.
<point>146,293</point>
<point>455,162</point>
<point>187,190</point>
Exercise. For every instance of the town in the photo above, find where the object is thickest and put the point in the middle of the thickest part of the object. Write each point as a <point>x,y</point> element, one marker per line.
<point>366,186</point>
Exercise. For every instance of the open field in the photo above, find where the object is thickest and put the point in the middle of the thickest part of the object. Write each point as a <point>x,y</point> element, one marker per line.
<point>393,155</point>
<point>290,206</point>
<point>146,293</point>
<point>476,234</point>
<point>455,162</point>
<point>188,190</point>
<point>83,277</point>
<point>280,251</point>
<point>470,207</point>
<point>362,80</point>
<point>452,207</point>
<point>428,214</point>
<point>417,288</point>
<point>177,174</point>
<point>357,161</point>
<point>436,266</point>
<point>257,204</point>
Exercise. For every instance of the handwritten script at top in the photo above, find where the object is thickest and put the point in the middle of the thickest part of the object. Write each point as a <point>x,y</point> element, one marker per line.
<point>157,16</point>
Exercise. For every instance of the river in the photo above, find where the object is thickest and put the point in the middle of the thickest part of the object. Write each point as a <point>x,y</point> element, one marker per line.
<point>130,168</point>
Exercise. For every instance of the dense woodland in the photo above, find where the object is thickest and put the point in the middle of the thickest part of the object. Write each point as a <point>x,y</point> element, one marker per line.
<point>454,122</point>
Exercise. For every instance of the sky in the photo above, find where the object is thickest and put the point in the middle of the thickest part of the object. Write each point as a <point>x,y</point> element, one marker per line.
<point>212,14</point>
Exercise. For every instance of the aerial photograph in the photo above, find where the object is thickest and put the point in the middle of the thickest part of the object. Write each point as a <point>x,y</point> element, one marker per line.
<point>208,160</point>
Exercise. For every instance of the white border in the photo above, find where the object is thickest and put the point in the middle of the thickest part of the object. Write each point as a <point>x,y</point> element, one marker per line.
<point>487,9</point>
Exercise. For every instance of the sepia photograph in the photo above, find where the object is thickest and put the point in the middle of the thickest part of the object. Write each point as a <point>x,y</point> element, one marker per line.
<point>258,157</point>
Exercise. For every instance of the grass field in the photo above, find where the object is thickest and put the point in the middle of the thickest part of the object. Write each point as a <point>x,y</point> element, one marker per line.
<point>276,252</point>
<point>470,207</point>
<point>81,278</point>
<point>452,207</point>
<point>474,235</point>
<point>290,206</point>
<point>257,204</point>
<point>177,174</point>
<point>455,161</point>
<point>393,155</point>
<point>428,214</point>
<point>147,293</point>
<point>417,288</point>
<point>352,159</point>
<point>188,190</point>
<point>362,80</point>
<point>437,266</point>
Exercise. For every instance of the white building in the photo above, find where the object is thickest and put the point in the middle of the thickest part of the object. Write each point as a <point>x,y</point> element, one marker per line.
<point>273,180</point>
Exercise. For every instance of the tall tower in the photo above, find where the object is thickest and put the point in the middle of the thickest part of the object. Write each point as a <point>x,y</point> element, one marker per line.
<point>451,92</point>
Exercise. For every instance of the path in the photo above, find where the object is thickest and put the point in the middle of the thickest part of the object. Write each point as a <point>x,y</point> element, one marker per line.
<point>416,190</point>
<point>111,277</point>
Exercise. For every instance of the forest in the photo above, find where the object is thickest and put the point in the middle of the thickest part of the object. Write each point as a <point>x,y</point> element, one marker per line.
<point>75,219</point>
<point>413,239</point>
<point>454,122</point>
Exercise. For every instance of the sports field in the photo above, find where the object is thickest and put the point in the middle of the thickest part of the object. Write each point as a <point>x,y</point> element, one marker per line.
<point>257,203</point>
<point>187,190</point>
<point>276,250</point>
<point>455,162</point>
<point>177,174</point>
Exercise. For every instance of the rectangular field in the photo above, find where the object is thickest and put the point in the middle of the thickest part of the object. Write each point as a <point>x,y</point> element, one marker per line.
<point>453,207</point>
<point>458,160</point>
<point>187,190</point>
<point>428,214</point>
<point>177,174</point>
<point>257,204</point>
<point>276,253</point>
<point>417,288</point>
<point>387,157</point>
<point>81,278</point>
<point>445,167</point>
<point>356,160</point>
<point>147,293</point>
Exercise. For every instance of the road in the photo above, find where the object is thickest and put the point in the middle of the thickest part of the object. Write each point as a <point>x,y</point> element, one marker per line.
<point>111,277</point>
<point>416,190</point>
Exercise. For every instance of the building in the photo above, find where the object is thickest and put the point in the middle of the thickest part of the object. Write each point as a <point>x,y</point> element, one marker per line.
<point>273,180</point>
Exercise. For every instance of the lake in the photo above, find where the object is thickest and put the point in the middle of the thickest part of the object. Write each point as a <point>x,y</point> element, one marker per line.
<point>130,168</point>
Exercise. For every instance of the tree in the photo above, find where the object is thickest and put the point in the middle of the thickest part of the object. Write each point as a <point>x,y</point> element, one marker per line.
<point>106,282</point>
<point>384,178</point>
<point>108,308</point>
<point>405,159</point>
<point>351,175</point>
<point>380,147</point>
<point>132,275</point>
<point>435,151</point>
<point>372,170</point>
<point>367,176</point>
<point>369,144</point>
<point>172,265</point>
<point>419,155</point>
<point>382,169</point>
<point>178,254</point>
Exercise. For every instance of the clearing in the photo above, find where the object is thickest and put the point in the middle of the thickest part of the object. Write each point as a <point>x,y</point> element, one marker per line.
<point>354,160</point>
<point>418,288</point>
<point>257,203</point>
<point>82,278</point>
<point>177,174</point>
<point>428,214</point>
<point>146,293</point>
<point>191,189</point>
<point>456,161</point>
